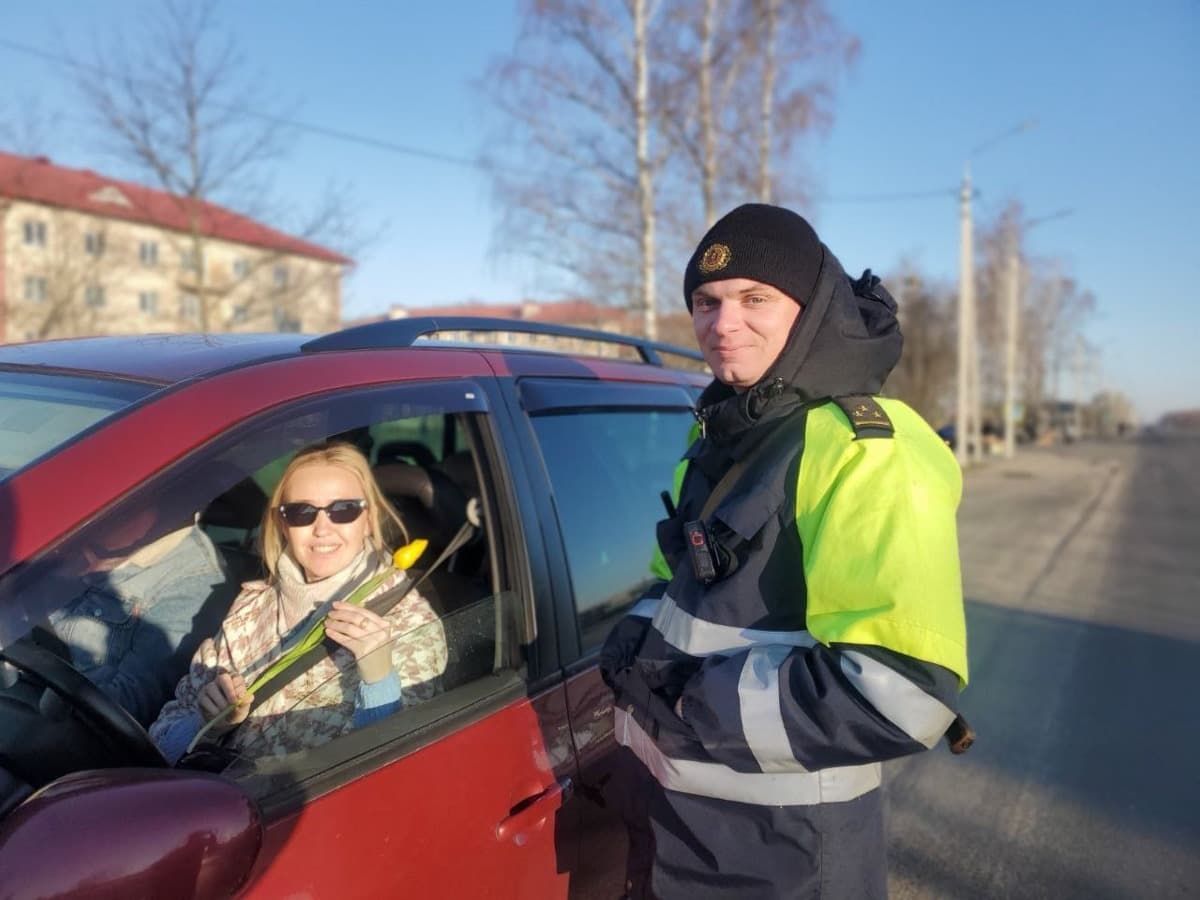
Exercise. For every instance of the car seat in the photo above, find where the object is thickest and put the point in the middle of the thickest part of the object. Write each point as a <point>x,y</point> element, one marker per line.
<point>430,505</point>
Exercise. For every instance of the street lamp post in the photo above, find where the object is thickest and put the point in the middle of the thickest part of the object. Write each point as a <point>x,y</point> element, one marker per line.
<point>968,444</point>
<point>965,421</point>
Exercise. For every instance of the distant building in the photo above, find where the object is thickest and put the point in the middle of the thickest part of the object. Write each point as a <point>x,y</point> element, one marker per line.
<point>1184,421</point>
<point>674,328</point>
<point>84,254</point>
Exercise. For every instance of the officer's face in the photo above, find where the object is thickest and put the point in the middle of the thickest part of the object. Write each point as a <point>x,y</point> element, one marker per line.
<point>741,327</point>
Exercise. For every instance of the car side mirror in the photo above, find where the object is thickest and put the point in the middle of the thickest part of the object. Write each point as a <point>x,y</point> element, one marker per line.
<point>130,833</point>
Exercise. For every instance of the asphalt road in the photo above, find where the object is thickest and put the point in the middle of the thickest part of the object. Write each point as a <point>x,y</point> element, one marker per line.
<point>1081,568</point>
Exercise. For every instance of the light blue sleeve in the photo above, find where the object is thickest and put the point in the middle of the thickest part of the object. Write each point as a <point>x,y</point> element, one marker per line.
<point>174,739</point>
<point>377,700</point>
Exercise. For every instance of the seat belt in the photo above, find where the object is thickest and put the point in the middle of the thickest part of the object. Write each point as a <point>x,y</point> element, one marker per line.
<point>710,559</point>
<point>381,605</point>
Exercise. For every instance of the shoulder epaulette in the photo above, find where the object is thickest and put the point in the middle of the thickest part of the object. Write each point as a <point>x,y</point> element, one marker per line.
<point>866,416</point>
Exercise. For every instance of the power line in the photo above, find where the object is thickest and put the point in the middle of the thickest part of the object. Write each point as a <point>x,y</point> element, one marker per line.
<point>299,125</point>
<point>376,143</point>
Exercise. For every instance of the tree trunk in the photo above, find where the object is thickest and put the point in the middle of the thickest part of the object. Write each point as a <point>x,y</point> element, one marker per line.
<point>708,128</point>
<point>767,101</point>
<point>641,62</point>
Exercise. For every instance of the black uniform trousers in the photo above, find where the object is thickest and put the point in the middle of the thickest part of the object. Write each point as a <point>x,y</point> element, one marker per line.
<point>687,847</point>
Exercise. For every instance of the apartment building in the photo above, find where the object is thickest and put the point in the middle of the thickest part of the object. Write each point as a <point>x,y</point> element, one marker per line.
<point>83,254</point>
<point>673,327</point>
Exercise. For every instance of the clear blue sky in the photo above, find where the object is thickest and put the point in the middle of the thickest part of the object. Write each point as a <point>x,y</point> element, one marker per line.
<point>1114,86</point>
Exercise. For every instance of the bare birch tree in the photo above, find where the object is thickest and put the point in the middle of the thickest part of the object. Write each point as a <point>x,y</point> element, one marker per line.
<point>645,167</point>
<point>924,377</point>
<point>801,50</point>
<point>1054,313</point>
<point>179,109</point>
<point>629,123</point>
<point>746,79</point>
<point>575,166</point>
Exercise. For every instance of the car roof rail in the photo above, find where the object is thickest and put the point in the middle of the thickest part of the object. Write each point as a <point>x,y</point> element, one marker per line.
<point>393,333</point>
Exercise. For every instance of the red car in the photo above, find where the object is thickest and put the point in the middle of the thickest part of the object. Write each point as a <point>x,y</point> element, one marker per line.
<point>540,469</point>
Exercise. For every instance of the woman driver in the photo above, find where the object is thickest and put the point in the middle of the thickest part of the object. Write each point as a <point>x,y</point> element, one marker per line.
<point>322,536</point>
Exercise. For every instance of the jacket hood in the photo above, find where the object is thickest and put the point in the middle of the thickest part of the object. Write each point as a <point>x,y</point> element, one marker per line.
<point>845,341</point>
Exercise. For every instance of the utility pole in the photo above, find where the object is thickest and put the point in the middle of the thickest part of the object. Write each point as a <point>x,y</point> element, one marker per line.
<point>1079,388</point>
<point>966,419</point>
<point>968,446</point>
<point>1013,291</point>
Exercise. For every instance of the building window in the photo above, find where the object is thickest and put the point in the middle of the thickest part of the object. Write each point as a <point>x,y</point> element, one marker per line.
<point>35,233</point>
<point>241,268</point>
<point>189,307</point>
<point>35,289</point>
<point>93,296</point>
<point>240,313</point>
<point>188,260</point>
<point>281,278</point>
<point>93,243</point>
<point>148,302</point>
<point>285,321</point>
<point>148,253</point>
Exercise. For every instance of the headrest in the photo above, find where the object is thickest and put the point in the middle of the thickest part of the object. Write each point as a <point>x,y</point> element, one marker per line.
<point>399,479</point>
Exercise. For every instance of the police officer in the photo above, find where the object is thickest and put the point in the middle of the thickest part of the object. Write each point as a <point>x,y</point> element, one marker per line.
<point>809,622</point>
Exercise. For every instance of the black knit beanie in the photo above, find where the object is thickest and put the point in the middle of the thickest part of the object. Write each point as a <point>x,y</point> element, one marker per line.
<point>764,243</point>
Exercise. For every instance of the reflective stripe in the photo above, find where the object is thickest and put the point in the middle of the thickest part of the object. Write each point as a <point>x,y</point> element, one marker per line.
<point>698,637</point>
<point>916,713</point>
<point>645,608</point>
<point>762,717</point>
<point>716,780</point>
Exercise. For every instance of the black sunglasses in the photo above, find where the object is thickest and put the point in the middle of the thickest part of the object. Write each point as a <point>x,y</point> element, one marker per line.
<point>340,512</point>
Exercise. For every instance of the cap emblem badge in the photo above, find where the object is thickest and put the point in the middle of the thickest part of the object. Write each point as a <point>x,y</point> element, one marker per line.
<point>715,258</point>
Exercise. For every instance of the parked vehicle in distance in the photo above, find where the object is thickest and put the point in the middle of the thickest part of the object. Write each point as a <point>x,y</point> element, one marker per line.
<point>543,467</point>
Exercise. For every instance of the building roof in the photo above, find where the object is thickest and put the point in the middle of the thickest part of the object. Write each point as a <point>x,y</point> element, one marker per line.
<point>38,180</point>
<point>561,312</point>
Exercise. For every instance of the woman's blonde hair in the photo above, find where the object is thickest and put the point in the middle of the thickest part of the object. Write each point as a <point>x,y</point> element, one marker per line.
<point>382,519</point>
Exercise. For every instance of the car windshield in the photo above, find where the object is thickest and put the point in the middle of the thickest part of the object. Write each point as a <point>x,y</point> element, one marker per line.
<point>39,411</point>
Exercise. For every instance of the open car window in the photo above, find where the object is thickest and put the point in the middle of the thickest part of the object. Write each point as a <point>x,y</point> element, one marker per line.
<point>129,597</point>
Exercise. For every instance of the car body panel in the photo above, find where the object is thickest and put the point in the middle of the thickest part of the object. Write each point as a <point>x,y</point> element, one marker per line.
<point>446,805</point>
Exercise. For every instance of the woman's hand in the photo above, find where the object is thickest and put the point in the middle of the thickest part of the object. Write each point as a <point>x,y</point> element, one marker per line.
<point>365,634</point>
<point>219,693</point>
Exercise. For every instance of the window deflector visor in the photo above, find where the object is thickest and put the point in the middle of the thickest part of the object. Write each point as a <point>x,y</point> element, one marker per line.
<point>40,412</point>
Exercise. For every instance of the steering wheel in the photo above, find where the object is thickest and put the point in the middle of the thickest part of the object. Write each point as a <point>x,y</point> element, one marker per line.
<point>114,727</point>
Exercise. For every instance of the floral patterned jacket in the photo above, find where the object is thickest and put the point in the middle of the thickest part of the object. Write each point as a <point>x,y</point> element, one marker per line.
<point>263,622</point>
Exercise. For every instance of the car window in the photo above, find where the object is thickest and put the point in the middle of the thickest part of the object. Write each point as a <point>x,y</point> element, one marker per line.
<point>39,412</point>
<point>607,469</point>
<point>157,574</point>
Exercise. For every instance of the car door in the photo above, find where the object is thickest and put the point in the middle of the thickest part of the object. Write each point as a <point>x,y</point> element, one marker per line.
<point>608,450</point>
<point>460,796</point>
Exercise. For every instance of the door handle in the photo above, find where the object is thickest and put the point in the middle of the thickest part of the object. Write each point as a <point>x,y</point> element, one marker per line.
<point>531,813</point>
